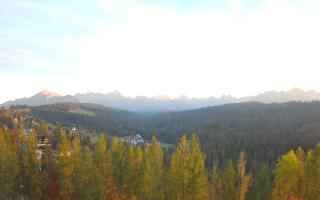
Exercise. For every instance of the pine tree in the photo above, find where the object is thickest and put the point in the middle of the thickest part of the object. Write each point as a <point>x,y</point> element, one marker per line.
<point>135,176</point>
<point>65,168</point>
<point>262,186</point>
<point>229,182</point>
<point>198,183</point>
<point>76,150</point>
<point>30,168</point>
<point>312,175</point>
<point>75,163</point>
<point>179,172</point>
<point>138,173</point>
<point>9,167</point>
<point>243,178</point>
<point>119,166</point>
<point>187,171</point>
<point>100,160</point>
<point>216,184</point>
<point>301,185</point>
<point>153,173</point>
<point>50,175</point>
<point>287,177</point>
<point>88,184</point>
<point>100,152</point>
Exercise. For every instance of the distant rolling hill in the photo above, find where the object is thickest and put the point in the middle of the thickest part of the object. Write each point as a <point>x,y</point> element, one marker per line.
<point>91,116</point>
<point>162,103</point>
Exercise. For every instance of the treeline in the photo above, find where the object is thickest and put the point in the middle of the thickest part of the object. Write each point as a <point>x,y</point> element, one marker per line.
<point>114,171</point>
<point>263,131</point>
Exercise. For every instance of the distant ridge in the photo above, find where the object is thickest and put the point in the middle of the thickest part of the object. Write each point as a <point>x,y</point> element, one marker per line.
<point>42,98</point>
<point>162,103</point>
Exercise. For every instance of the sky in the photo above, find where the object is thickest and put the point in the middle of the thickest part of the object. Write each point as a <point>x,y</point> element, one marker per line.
<point>198,48</point>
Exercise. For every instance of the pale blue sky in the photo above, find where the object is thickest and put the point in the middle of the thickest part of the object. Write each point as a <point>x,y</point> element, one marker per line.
<point>199,48</point>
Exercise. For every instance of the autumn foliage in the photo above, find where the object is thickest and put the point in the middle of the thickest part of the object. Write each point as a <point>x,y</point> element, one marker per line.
<point>113,170</point>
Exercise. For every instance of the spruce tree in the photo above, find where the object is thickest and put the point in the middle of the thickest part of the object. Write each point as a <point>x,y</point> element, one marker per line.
<point>312,175</point>
<point>119,167</point>
<point>216,184</point>
<point>198,184</point>
<point>49,172</point>
<point>152,171</point>
<point>31,178</point>
<point>88,184</point>
<point>287,177</point>
<point>262,186</point>
<point>229,182</point>
<point>187,171</point>
<point>243,178</point>
<point>65,168</point>
<point>179,172</point>
<point>9,167</point>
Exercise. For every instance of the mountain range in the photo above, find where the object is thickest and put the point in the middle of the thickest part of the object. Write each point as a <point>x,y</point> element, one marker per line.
<point>162,103</point>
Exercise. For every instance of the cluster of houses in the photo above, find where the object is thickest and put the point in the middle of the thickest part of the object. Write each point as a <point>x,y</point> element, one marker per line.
<point>130,139</point>
<point>134,140</point>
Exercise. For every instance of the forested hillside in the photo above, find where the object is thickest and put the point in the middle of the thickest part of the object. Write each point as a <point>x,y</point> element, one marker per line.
<point>113,170</point>
<point>90,116</point>
<point>264,131</point>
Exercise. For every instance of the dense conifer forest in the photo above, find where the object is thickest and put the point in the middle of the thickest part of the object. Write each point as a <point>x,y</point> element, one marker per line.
<point>264,131</point>
<point>237,151</point>
<point>115,170</point>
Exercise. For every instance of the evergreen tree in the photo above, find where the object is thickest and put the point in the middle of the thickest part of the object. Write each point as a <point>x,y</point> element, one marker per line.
<point>153,172</point>
<point>187,171</point>
<point>216,184</point>
<point>198,183</point>
<point>75,163</point>
<point>312,175</point>
<point>262,187</point>
<point>135,176</point>
<point>9,167</point>
<point>119,167</point>
<point>229,182</point>
<point>179,173</point>
<point>287,177</point>
<point>100,152</point>
<point>65,168</point>
<point>30,168</point>
<point>243,178</point>
<point>50,175</point>
<point>100,160</point>
<point>88,184</point>
<point>301,182</point>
